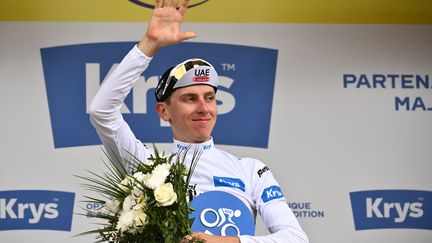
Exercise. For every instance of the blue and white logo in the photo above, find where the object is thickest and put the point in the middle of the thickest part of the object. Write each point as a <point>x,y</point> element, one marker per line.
<point>26,209</point>
<point>270,193</point>
<point>73,75</point>
<point>380,209</point>
<point>220,213</point>
<point>229,182</point>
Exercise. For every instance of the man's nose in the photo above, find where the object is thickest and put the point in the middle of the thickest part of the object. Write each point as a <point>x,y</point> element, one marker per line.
<point>202,105</point>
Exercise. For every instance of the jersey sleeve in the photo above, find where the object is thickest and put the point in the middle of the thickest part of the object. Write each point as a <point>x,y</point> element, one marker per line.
<point>273,208</point>
<point>115,134</point>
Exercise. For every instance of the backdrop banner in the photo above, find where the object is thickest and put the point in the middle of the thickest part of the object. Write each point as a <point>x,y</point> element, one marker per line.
<point>340,113</point>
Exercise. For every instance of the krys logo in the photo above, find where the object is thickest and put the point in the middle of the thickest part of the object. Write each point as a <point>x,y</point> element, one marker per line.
<point>150,4</point>
<point>229,182</point>
<point>270,193</point>
<point>392,209</point>
<point>73,74</point>
<point>25,209</point>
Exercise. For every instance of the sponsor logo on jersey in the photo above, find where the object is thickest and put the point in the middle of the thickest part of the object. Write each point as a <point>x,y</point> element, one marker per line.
<point>36,209</point>
<point>379,209</point>
<point>74,73</point>
<point>271,193</point>
<point>262,171</point>
<point>182,147</point>
<point>220,213</point>
<point>229,182</point>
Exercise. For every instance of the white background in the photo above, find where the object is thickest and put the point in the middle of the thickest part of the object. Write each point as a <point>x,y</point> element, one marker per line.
<point>325,141</point>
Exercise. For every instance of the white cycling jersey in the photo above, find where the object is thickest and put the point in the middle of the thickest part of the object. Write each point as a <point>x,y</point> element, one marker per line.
<point>246,178</point>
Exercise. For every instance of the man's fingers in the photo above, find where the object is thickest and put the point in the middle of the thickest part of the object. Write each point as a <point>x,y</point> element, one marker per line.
<point>183,7</point>
<point>174,3</point>
<point>157,4</point>
<point>187,35</point>
<point>166,3</point>
<point>186,239</point>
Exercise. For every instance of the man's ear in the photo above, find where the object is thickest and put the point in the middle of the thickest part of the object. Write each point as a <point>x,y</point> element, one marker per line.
<point>161,109</point>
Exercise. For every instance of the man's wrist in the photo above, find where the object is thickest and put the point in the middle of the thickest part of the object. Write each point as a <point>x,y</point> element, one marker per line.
<point>148,47</point>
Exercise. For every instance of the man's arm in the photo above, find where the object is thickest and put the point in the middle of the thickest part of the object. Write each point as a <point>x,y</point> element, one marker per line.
<point>275,212</point>
<point>163,30</point>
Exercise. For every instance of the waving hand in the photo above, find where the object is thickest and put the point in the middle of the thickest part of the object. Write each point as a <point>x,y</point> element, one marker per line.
<point>164,26</point>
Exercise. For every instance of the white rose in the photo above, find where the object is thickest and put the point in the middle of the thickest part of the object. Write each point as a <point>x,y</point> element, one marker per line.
<point>125,221</point>
<point>165,195</point>
<point>113,206</point>
<point>128,203</point>
<point>140,218</point>
<point>158,176</point>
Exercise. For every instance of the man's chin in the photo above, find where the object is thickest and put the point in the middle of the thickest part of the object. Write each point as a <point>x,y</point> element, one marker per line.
<point>202,138</point>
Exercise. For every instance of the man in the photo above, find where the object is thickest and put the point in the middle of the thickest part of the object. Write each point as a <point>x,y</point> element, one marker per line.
<point>186,96</point>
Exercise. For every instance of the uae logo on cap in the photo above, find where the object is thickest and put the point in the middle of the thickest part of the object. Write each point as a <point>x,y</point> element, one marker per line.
<point>201,75</point>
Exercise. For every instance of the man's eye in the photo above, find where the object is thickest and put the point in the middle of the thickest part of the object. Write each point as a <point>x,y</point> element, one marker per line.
<point>189,99</point>
<point>210,98</point>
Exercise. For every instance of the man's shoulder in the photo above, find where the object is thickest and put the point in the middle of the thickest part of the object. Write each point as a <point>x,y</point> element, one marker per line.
<point>248,161</point>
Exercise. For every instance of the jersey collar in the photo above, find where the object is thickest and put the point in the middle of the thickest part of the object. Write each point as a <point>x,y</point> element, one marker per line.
<point>180,146</point>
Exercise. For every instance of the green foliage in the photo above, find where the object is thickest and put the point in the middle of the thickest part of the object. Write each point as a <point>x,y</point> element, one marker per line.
<point>161,223</point>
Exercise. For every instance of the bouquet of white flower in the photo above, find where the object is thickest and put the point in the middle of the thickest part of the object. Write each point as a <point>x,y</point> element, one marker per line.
<point>148,205</point>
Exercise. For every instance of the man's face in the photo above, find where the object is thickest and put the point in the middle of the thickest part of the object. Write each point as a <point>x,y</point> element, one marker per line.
<point>192,113</point>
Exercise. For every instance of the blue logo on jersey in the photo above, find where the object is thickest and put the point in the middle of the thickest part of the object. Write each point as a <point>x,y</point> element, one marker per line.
<point>229,182</point>
<point>26,209</point>
<point>271,193</point>
<point>74,73</point>
<point>220,213</point>
<point>380,209</point>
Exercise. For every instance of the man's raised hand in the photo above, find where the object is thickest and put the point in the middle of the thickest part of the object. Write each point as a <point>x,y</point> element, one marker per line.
<point>164,26</point>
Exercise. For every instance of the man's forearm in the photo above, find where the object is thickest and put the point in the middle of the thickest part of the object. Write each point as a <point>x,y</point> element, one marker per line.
<point>148,46</point>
